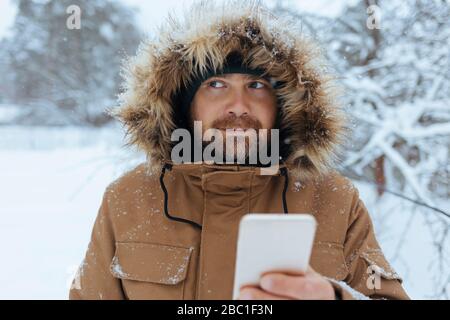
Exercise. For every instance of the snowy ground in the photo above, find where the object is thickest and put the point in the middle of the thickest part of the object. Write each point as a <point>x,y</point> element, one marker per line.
<point>52,181</point>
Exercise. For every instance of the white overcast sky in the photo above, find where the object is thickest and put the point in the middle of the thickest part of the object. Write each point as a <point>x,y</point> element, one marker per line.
<point>152,13</point>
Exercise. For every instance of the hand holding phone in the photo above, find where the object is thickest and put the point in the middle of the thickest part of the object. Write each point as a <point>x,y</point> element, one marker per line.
<point>272,242</point>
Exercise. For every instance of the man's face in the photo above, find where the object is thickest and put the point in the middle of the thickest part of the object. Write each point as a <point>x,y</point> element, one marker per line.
<point>235,101</point>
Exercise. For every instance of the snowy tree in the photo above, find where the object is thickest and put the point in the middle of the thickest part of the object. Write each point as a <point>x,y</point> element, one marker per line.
<point>68,75</point>
<point>393,60</point>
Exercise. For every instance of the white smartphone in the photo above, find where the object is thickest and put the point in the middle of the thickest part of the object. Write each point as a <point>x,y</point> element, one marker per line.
<point>272,242</point>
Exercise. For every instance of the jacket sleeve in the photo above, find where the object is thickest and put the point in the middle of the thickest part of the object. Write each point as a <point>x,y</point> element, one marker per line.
<point>370,275</point>
<point>93,279</point>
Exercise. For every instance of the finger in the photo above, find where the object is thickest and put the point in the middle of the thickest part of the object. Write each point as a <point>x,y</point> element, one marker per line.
<point>252,293</point>
<point>295,287</point>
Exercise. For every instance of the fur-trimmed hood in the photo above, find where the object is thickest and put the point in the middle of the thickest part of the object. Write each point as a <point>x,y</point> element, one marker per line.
<point>204,36</point>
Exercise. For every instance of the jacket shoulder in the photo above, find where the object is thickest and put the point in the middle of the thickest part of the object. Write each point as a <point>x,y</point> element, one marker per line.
<point>335,183</point>
<point>132,179</point>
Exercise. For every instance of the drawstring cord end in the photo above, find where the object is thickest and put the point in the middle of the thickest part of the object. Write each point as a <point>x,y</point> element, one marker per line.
<point>168,166</point>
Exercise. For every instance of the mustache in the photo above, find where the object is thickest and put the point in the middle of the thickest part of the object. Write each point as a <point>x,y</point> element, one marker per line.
<point>232,121</point>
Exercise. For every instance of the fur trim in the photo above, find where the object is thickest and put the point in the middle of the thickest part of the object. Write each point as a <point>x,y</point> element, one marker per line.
<point>207,33</point>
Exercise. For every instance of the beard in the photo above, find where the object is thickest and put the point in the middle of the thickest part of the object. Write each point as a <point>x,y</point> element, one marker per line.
<point>241,146</point>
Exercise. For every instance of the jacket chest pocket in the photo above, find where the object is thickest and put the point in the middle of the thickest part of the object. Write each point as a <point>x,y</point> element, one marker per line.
<point>327,258</point>
<point>151,271</point>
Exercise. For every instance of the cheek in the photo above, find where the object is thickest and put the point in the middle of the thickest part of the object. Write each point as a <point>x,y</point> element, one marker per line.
<point>202,111</point>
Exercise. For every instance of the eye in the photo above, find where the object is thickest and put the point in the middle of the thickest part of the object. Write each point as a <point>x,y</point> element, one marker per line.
<point>257,85</point>
<point>216,84</point>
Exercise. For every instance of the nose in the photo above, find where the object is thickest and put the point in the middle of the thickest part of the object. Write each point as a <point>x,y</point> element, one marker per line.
<point>239,104</point>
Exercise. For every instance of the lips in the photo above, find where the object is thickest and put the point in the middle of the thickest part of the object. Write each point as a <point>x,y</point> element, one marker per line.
<point>234,129</point>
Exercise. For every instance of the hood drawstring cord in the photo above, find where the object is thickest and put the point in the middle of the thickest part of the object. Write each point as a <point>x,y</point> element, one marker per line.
<point>167,166</point>
<point>284,172</point>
